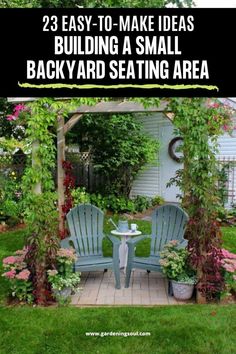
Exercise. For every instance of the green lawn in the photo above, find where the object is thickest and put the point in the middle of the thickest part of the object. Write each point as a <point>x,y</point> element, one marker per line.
<point>229,238</point>
<point>175,329</point>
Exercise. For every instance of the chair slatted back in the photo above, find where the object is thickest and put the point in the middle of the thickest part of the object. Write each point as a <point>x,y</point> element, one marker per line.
<point>85,223</point>
<point>168,223</point>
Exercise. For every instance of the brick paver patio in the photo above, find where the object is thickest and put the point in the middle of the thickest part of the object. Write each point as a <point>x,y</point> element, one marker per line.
<point>97,288</point>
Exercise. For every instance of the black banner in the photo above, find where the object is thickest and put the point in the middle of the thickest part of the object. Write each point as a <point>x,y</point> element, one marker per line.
<point>117,52</point>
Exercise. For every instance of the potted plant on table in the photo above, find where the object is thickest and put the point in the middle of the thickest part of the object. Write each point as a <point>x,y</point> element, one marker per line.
<point>62,279</point>
<point>174,263</point>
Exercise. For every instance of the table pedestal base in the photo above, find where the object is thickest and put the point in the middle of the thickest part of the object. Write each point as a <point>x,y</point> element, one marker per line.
<point>123,252</point>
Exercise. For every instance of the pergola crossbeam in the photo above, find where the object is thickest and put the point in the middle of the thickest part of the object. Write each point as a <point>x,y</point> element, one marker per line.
<point>71,122</point>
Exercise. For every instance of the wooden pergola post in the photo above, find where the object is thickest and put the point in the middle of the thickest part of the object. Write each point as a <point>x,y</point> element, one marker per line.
<point>60,170</point>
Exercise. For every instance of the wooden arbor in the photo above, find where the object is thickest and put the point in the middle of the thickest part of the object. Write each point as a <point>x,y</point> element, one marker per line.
<point>63,127</point>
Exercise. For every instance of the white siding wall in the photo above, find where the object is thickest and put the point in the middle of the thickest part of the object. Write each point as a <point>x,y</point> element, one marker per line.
<point>227,152</point>
<point>227,146</point>
<point>147,181</point>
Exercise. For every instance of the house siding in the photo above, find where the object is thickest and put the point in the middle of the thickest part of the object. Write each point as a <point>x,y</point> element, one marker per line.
<point>147,181</point>
<point>227,154</point>
<point>227,147</point>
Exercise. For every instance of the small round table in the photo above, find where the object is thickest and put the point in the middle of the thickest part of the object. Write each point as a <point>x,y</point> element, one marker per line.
<point>123,251</point>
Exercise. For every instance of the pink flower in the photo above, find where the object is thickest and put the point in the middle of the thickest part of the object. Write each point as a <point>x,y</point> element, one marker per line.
<point>22,252</point>
<point>227,254</point>
<point>174,242</point>
<point>226,127</point>
<point>19,107</point>
<point>66,253</point>
<point>9,260</point>
<point>11,117</point>
<point>229,268</point>
<point>11,274</point>
<point>23,275</point>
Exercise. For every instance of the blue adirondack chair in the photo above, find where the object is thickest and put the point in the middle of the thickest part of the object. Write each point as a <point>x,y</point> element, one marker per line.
<point>168,223</point>
<point>85,223</point>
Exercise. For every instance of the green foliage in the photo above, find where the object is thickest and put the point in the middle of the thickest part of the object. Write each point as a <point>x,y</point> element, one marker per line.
<point>112,202</point>
<point>5,125</point>
<point>64,277</point>
<point>80,196</point>
<point>12,210</point>
<point>11,203</point>
<point>41,120</point>
<point>222,182</point>
<point>141,203</point>
<point>174,261</point>
<point>199,122</point>
<point>119,204</point>
<point>60,282</point>
<point>119,149</point>
<point>136,3</point>
<point>37,3</point>
<point>93,3</point>
<point>18,275</point>
<point>42,220</point>
<point>158,200</point>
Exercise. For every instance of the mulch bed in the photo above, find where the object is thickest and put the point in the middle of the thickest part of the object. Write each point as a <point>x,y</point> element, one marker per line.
<point>5,227</point>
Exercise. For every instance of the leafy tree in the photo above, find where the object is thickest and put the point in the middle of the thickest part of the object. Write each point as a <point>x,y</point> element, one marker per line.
<point>119,148</point>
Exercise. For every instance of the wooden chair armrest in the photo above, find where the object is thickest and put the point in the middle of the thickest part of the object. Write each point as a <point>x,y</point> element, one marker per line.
<point>114,240</point>
<point>133,241</point>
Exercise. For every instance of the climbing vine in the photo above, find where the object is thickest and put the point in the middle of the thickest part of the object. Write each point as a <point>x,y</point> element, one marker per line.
<point>40,119</point>
<point>200,122</point>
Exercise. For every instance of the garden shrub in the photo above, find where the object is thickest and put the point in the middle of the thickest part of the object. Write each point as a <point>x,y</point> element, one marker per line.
<point>43,242</point>
<point>112,202</point>
<point>141,203</point>
<point>17,272</point>
<point>119,149</point>
<point>158,200</point>
<point>11,201</point>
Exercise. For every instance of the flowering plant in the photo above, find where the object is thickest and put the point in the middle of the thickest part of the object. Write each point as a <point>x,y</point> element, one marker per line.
<point>174,262</point>
<point>18,274</point>
<point>229,271</point>
<point>63,277</point>
<point>16,112</point>
<point>60,282</point>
